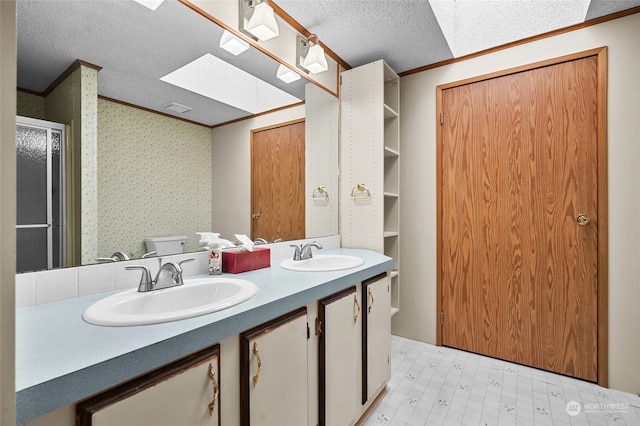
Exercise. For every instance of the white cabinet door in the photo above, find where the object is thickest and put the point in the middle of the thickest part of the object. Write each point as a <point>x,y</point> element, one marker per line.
<point>376,335</point>
<point>273,372</point>
<point>339,351</point>
<point>182,393</point>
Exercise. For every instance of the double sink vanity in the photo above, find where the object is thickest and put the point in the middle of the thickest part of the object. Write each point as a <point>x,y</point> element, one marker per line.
<point>300,342</point>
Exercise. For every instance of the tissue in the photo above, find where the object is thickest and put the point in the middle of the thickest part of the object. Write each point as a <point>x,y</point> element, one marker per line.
<point>209,240</point>
<point>246,241</point>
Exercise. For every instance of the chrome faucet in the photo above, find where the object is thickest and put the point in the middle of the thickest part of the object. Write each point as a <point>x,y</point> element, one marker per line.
<point>305,252</point>
<point>169,275</point>
<point>115,257</point>
<point>263,241</point>
<point>119,255</point>
<point>297,253</point>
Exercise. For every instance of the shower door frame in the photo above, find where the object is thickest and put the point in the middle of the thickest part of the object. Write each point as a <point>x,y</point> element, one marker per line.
<point>50,127</point>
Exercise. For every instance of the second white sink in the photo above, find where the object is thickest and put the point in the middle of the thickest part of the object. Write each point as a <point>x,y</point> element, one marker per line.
<point>198,296</point>
<point>323,263</point>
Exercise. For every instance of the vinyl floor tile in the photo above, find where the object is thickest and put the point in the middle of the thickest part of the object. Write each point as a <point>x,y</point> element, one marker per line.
<point>433,385</point>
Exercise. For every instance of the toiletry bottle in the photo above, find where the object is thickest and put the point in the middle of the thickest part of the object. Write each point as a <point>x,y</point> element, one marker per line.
<point>215,259</point>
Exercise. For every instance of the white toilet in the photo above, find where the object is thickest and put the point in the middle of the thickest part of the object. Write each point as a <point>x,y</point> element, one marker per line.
<point>166,245</point>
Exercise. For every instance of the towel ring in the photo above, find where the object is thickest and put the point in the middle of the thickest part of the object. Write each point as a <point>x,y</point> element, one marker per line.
<point>320,194</point>
<point>360,192</point>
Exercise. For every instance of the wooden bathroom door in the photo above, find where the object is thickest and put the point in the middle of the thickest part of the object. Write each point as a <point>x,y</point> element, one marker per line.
<point>278,182</point>
<point>519,264</point>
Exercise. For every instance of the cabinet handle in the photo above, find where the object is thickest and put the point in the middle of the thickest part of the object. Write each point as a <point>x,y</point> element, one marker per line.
<point>255,352</point>
<point>372,300</point>
<point>355,300</point>
<point>214,383</point>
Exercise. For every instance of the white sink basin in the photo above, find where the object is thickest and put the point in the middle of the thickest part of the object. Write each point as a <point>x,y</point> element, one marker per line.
<point>198,296</point>
<point>323,263</point>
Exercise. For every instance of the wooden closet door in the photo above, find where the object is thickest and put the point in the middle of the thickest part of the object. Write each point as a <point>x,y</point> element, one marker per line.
<point>278,183</point>
<point>519,165</point>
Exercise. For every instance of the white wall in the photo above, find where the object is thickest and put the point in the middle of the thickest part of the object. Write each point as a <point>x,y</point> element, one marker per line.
<point>417,318</point>
<point>231,163</point>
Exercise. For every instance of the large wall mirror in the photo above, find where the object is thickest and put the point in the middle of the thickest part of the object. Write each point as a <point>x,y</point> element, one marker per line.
<point>148,151</point>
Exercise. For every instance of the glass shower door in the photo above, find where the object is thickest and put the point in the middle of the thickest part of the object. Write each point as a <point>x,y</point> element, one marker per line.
<point>39,210</point>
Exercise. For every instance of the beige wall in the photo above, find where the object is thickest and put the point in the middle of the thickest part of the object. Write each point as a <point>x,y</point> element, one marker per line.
<point>231,157</point>
<point>154,178</point>
<point>7,212</point>
<point>417,318</point>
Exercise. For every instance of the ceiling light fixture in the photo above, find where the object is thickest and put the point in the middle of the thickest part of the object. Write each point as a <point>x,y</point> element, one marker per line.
<point>258,20</point>
<point>310,56</point>
<point>151,4</point>
<point>287,75</point>
<point>233,44</point>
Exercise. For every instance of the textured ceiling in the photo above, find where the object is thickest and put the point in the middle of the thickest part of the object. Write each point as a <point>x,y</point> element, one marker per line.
<point>410,34</point>
<point>136,46</point>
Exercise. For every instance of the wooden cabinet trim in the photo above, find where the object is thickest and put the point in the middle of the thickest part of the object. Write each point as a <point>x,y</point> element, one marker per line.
<point>273,324</point>
<point>245,343</point>
<point>322,304</point>
<point>336,296</point>
<point>365,326</point>
<point>88,407</point>
<point>374,279</point>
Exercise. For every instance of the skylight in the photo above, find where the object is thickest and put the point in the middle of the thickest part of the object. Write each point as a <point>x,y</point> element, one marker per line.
<point>218,80</point>
<point>470,25</point>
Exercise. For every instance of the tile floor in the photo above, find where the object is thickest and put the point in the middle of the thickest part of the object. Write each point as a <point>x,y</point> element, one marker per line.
<point>441,386</point>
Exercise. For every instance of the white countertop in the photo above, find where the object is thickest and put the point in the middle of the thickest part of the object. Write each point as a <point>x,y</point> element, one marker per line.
<point>61,359</point>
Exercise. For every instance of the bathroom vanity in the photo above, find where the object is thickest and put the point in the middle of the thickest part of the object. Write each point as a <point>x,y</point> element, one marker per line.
<point>316,341</point>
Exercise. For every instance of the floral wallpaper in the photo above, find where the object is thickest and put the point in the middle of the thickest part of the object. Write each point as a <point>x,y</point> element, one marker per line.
<point>30,105</point>
<point>88,95</point>
<point>154,178</point>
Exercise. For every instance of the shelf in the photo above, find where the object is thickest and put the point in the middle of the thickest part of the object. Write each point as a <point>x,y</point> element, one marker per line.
<point>370,152</point>
<point>389,112</point>
<point>390,152</point>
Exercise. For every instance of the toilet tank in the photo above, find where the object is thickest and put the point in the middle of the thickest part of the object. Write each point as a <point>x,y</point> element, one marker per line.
<point>166,245</point>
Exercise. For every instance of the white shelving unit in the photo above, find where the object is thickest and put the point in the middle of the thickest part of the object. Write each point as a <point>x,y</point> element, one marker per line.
<point>370,157</point>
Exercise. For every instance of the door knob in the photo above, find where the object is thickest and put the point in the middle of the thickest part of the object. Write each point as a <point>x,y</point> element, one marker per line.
<point>583,219</point>
<point>255,215</point>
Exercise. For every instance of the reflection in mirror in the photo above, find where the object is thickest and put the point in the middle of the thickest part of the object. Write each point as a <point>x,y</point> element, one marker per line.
<point>232,161</point>
<point>132,173</point>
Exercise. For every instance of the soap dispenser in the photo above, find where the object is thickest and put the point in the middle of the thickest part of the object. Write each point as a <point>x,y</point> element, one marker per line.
<point>215,258</point>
